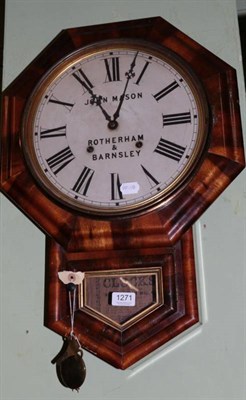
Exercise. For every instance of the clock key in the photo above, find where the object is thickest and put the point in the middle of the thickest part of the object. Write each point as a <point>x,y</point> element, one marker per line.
<point>70,366</point>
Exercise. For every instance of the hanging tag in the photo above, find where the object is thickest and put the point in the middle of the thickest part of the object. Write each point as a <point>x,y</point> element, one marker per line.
<point>71,277</point>
<point>70,366</point>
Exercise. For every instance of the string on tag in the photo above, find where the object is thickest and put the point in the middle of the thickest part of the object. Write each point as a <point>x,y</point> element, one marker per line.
<point>70,366</point>
<point>71,287</point>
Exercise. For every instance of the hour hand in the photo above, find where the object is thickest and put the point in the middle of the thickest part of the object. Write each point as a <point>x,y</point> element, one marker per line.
<point>98,101</point>
<point>95,99</point>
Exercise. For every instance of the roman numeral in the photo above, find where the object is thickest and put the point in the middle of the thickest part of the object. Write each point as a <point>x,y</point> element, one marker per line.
<point>83,182</point>
<point>176,119</point>
<point>80,76</point>
<point>112,69</point>
<point>170,149</point>
<point>59,160</point>
<point>153,182</point>
<point>67,105</point>
<point>142,72</point>
<point>116,193</point>
<point>162,93</point>
<point>54,132</point>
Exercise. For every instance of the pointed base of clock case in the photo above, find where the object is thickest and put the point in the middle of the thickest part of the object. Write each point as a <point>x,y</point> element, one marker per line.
<point>118,344</point>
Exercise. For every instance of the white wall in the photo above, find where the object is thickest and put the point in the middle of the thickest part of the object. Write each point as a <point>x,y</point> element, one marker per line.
<point>207,364</point>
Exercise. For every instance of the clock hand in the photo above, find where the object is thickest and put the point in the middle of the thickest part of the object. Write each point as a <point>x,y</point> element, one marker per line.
<point>96,100</point>
<point>130,74</point>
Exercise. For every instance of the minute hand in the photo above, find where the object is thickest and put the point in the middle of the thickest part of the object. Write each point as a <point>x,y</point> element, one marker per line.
<point>130,74</point>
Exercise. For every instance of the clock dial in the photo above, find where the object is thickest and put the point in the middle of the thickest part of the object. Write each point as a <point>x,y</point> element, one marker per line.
<point>116,128</point>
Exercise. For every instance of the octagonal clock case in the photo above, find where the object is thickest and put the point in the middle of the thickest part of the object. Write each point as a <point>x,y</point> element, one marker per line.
<point>115,140</point>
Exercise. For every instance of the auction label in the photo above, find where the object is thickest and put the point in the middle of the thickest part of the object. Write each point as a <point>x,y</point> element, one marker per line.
<point>129,188</point>
<point>123,299</point>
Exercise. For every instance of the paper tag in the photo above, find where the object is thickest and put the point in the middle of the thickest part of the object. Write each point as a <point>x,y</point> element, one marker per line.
<point>71,277</point>
<point>129,188</point>
<point>123,299</point>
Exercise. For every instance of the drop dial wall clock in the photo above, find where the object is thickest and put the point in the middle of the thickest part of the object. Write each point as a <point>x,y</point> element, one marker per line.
<point>115,140</point>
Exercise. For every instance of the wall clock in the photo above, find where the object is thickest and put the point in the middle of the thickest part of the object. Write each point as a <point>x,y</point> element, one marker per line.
<point>116,138</point>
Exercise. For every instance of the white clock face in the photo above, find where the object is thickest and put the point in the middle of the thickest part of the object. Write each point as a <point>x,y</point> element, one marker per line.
<point>115,130</point>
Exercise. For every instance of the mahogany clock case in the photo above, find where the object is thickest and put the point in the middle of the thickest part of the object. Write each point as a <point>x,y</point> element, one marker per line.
<point>221,161</point>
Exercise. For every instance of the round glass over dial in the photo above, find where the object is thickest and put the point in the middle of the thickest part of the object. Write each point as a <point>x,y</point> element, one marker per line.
<point>116,128</point>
